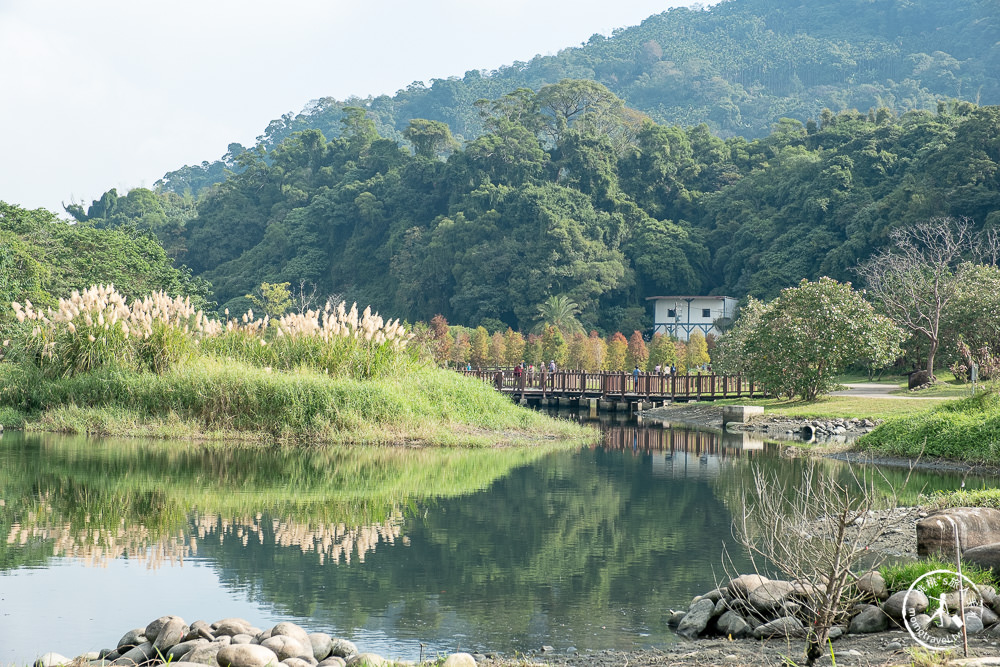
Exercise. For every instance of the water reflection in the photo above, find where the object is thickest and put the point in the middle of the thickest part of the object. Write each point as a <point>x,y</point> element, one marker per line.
<point>479,549</point>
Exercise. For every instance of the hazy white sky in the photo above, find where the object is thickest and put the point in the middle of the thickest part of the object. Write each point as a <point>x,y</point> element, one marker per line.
<point>115,93</point>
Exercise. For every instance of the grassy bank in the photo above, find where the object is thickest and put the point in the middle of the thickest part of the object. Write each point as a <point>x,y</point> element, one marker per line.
<point>826,407</point>
<point>208,398</point>
<point>964,430</point>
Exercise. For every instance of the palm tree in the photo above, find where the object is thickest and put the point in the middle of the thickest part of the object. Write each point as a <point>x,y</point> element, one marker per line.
<point>558,312</point>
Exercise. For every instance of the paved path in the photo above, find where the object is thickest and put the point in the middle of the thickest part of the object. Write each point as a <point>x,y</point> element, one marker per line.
<point>876,390</point>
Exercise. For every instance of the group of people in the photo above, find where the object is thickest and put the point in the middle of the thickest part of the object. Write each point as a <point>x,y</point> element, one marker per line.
<point>524,367</point>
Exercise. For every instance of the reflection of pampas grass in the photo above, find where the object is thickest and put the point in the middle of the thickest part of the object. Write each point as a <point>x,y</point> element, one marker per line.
<point>97,328</point>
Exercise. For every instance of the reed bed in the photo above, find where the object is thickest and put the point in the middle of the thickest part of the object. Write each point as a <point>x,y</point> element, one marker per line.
<point>98,364</point>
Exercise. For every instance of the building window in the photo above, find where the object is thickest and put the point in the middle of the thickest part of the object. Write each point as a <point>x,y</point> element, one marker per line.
<point>671,312</point>
<point>706,312</point>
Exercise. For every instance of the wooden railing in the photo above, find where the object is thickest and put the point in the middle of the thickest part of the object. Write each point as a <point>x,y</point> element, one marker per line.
<point>617,385</point>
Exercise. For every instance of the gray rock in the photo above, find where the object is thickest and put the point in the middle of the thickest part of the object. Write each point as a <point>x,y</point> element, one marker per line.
<point>246,655</point>
<point>343,648</point>
<point>231,626</point>
<point>131,639</point>
<point>170,634</point>
<point>988,595</point>
<point>366,660</point>
<point>333,661</point>
<point>872,619</point>
<point>917,602</point>
<point>922,621</point>
<point>973,624</point>
<point>296,662</point>
<point>152,630</point>
<point>806,590</point>
<point>200,629</point>
<point>714,595</point>
<point>321,644</point>
<point>985,556</point>
<point>138,655</point>
<point>242,639</point>
<point>52,660</point>
<point>977,526</point>
<point>178,651</point>
<point>743,585</point>
<point>459,660</point>
<point>675,618</point>
<point>696,620</point>
<point>893,646</point>
<point>205,654</point>
<point>732,625</point>
<point>770,595</point>
<point>786,626</point>
<point>987,615</point>
<point>225,640</point>
<point>286,647</point>
<point>872,585</point>
<point>89,656</point>
<point>287,629</point>
<point>835,633</point>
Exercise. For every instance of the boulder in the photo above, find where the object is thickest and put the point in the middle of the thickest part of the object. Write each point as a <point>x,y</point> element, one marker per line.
<point>770,595</point>
<point>152,631</point>
<point>321,644</point>
<point>287,629</point>
<point>741,586</point>
<point>986,556</point>
<point>806,590</point>
<point>343,648</point>
<point>246,655</point>
<point>333,661</point>
<point>287,647</point>
<point>137,655</point>
<point>170,634</point>
<point>178,651</point>
<point>200,629</point>
<point>459,660</point>
<point>872,619</point>
<point>205,654</point>
<point>675,618</point>
<point>916,603</point>
<point>131,639</point>
<point>231,626</point>
<point>977,526</point>
<point>921,621</point>
<point>835,633</point>
<point>52,660</point>
<point>696,620</point>
<point>366,660</point>
<point>918,379</point>
<point>988,615</point>
<point>786,626</point>
<point>732,625</point>
<point>973,624</point>
<point>242,639</point>
<point>872,585</point>
<point>297,662</point>
<point>715,594</point>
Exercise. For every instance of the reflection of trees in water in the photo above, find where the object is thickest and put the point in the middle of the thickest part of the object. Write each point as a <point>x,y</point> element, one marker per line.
<point>97,500</point>
<point>97,546</point>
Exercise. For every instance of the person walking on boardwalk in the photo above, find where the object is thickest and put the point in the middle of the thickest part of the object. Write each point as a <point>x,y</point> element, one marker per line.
<point>635,378</point>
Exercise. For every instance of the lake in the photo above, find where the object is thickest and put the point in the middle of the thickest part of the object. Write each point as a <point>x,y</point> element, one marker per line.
<point>503,550</point>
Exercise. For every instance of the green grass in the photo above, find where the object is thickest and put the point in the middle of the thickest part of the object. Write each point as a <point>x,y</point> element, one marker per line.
<point>963,430</point>
<point>900,577</point>
<point>230,400</point>
<point>837,406</point>
<point>964,498</point>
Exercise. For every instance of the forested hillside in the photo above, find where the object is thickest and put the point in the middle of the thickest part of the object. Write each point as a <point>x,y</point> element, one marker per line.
<point>738,67</point>
<point>569,192</point>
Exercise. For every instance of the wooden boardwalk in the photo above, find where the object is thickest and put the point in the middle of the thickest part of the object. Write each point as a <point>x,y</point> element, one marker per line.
<point>616,386</point>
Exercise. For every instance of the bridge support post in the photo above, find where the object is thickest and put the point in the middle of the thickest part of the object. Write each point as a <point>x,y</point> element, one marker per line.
<point>593,407</point>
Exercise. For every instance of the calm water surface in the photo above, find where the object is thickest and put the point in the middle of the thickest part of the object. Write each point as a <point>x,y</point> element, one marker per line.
<point>472,550</point>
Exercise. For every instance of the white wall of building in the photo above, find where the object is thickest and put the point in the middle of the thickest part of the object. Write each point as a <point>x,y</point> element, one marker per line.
<point>678,316</point>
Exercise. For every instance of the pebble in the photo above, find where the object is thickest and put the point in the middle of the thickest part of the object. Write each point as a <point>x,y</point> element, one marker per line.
<point>893,646</point>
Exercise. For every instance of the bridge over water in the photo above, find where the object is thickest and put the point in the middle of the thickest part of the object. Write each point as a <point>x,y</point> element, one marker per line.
<point>615,390</point>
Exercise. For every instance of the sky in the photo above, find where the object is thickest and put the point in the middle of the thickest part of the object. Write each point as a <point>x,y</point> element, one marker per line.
<point>115,93</point>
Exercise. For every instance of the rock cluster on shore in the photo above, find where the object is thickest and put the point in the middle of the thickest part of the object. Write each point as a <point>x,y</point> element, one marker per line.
<point>231,642</point>
<point>751,605</point>
<point>808,429</point>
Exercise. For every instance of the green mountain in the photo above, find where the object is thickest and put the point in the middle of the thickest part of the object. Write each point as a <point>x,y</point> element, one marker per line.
<point>575,188</point>
<point>738,67</point>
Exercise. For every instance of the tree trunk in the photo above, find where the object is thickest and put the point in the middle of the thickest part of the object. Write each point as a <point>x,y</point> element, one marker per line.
<point>930,358</point>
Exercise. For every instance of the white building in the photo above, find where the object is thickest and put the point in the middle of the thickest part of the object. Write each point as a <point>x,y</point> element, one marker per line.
<point>678,316</point>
